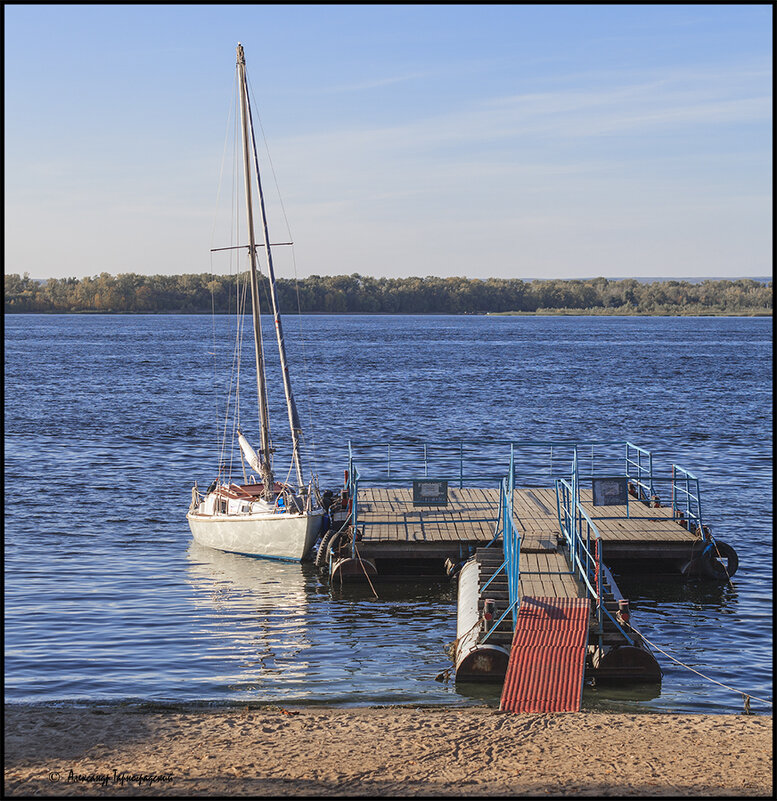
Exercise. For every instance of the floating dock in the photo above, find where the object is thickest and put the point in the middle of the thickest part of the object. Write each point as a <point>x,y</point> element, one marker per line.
<point>527,527</point>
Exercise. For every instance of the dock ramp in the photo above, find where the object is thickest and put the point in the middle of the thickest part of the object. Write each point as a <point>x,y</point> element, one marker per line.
<point>547,658</point>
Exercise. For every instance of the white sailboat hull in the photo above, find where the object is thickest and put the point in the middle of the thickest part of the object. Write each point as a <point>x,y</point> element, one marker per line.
<point>277,536</point>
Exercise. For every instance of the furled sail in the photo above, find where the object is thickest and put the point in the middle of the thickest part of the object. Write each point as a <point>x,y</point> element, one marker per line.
<point>249,453</point>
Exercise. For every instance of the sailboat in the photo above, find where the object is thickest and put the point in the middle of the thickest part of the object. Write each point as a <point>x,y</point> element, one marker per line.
<point>263,518</point>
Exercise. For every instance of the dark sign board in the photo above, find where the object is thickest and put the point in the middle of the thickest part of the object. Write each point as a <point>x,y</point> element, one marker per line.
<point>610,491</point>
<point>428,492</point>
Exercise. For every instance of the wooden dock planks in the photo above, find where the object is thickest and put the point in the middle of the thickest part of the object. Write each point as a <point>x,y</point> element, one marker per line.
<point>547,575</point>
<point>387,515</point>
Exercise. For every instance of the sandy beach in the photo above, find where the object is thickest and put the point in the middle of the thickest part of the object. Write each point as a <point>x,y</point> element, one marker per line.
<point>381,751</point>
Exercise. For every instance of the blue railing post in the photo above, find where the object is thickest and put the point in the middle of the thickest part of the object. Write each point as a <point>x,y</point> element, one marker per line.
<point>686,500</point>
<point>599,600</point>
<point>688,494</point>
<point>698,508</point>
<point>354,480</point>
<point>575,502</point>
<point>651,488</point>
<point>512,473</point>
<point>512,547</point>
<point>674,497</point>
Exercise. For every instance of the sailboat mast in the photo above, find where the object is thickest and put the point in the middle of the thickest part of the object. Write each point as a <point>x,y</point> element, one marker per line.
<point>264,417</point>
<point>291,406</point>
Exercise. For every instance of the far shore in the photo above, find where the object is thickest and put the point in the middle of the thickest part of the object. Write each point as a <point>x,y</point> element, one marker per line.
<point>380,751</point>
<point>543,313</point>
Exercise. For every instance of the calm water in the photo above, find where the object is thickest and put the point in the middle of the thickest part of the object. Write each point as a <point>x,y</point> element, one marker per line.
<point>109,419</point>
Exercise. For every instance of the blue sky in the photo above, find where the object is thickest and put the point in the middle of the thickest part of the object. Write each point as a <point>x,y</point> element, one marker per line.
<point>479,141</point>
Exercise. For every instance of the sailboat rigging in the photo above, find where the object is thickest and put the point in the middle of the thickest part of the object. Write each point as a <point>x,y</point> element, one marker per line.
<point>265,519</point>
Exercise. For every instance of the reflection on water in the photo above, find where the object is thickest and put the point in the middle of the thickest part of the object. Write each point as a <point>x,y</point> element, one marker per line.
<point>611,698</point>
<point>254,615</point>
<point>662,590</point>
<point>277,631</point>
<point>480,693</point>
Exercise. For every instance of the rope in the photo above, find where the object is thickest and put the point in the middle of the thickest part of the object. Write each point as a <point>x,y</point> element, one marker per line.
<point>240,297</point>
<point>234,262</point>
<point>453,646</point>
<point>725,567</point>
<point>744,695</point>
<point>362,566</point>
<point>234,379</point>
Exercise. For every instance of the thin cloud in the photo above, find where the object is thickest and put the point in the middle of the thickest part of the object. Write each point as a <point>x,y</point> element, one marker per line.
<point>374,84</point>
<point>673,100</point>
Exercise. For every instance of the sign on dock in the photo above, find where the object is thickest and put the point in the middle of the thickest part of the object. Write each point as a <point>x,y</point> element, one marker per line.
<point>430,493</point>
<point>610,491</point>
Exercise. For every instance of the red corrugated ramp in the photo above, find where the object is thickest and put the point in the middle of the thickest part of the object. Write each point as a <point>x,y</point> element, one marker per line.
<point>547,660</point>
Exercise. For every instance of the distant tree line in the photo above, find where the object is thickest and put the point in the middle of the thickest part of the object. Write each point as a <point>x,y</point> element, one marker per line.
<point>132,293</point>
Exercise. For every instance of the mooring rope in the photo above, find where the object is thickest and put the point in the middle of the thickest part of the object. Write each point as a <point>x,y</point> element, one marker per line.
<point>725,567</point>
<point>744,695</point>
<point>366,575</point>
<point>452,647</point>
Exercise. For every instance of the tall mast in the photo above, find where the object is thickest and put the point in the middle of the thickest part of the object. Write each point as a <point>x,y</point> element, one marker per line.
<point>291,406</point>
<point>264,417</point>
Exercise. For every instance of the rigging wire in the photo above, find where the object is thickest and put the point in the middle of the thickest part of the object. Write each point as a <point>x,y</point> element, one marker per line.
<point>212,269</point>
<point>223,438</point>
<point>232,407</point>
<point>300,334</point>
<point>261,290</point>
<point>241,276</point>
<point>241,293</point>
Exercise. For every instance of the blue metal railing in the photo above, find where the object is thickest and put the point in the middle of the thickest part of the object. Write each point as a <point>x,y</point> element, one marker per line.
<point>511,541</point>
<point>639,473</point>
<point>481,462</point>
<point>478,462</point>
<point>395,462</point>
<point>584,544</point>
<point>686,499</point>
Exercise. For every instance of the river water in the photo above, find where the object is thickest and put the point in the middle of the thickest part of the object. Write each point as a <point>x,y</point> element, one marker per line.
<point>109,419</point>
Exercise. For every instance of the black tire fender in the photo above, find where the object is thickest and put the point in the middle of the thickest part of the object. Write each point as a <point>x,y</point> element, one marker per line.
<point>322,548</point>
<point>328,542</point>
<point>724,551</point>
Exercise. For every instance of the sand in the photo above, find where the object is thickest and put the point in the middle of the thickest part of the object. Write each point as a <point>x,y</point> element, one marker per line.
<point>381,751</point>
